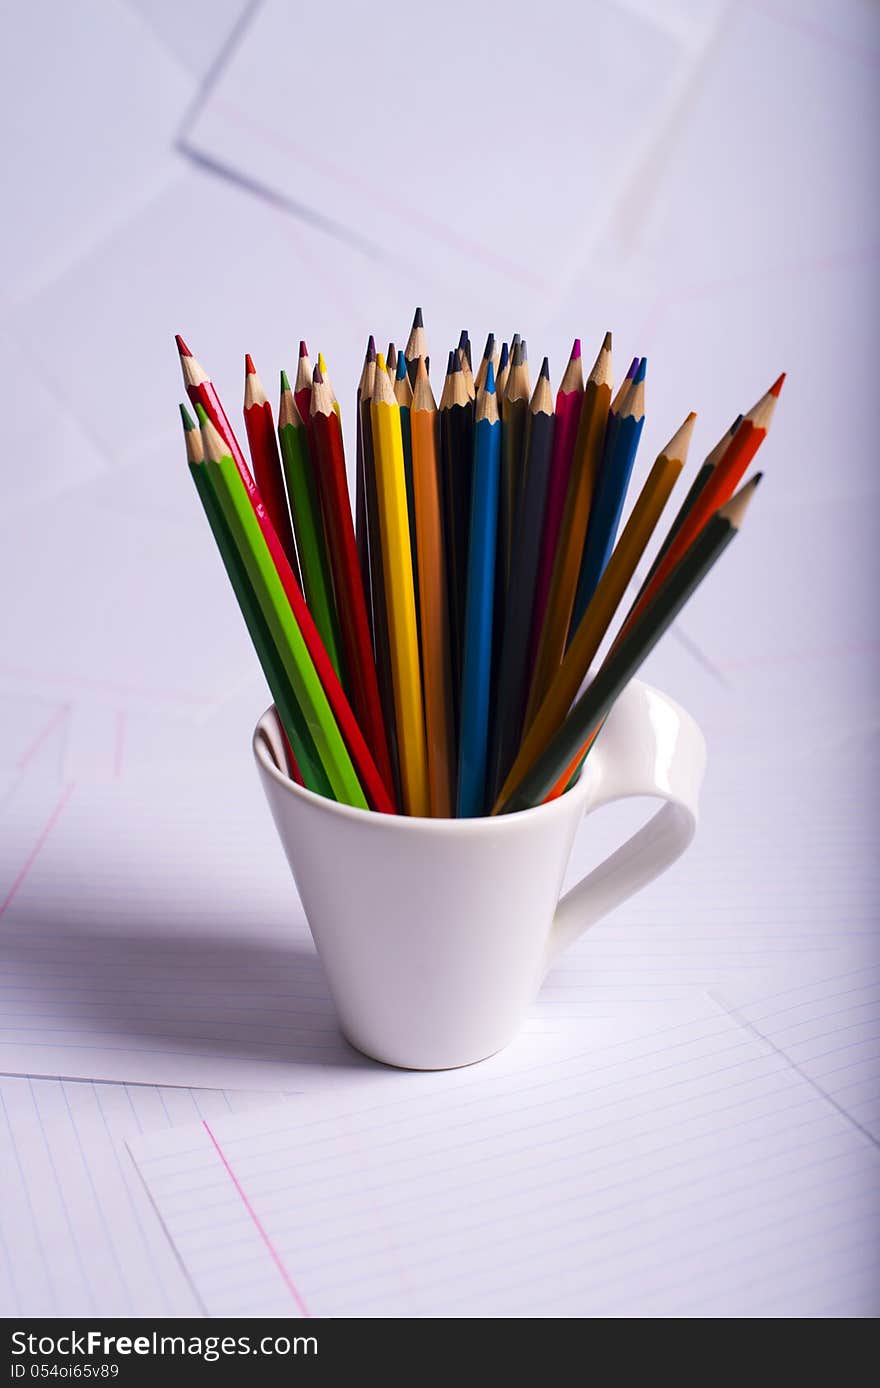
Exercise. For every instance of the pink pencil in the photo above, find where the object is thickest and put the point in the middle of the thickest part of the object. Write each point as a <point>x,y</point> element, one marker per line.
<point>569,399</point>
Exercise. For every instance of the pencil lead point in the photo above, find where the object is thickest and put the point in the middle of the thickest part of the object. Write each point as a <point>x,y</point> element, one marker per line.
<point>380,362</point>
<point>489,349</point>
<point>322,363</point>
<point>576,350</point>
<point>642,368</point>
<point>285,383</point>
<point>371,348</point>
<point>418,320</point>
<point>523,351</point>
<point>317,377</point>
<point>606,343</point>
<point>188,421</point>
<point>456,361</point>
<point>249,368</point>
<point>401,366</point>
<point>777,386</point>
<point>201,416</point>
<point>181,346</point>
<point>545,369</point>
<point>303,349</point>
<point>451,361</point>
<point>504,357</point>
<point>463,340</point>
<point>489,382</point>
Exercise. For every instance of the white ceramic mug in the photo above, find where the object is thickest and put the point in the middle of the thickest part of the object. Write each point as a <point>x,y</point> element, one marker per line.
<point>435,934</point>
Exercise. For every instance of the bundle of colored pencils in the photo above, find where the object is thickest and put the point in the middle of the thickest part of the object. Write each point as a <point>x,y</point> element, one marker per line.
<point>429,655</point>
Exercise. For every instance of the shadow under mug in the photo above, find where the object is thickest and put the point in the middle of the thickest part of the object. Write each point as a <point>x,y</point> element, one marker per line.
<point>435,934</point>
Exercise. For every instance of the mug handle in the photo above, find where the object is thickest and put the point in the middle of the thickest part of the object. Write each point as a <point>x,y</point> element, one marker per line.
<point>649,746</point>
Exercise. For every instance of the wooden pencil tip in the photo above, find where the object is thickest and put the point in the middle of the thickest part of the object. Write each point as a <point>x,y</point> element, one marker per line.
<point>201,415</point>
<point>736,507</point>
<point>633,368</point>
<point>505,356</point>
<point>400,371</point>
<point>285,383</point>
<point>181,346</point>
<point>322,363</point>
<point>371,348</point>
<point>380,362</point>
<point>317,376</point>
<point>418,320</point>
<point>523,351</point>
<point>455,364</point>
<point>736,423</point>
<point>545,369</point>
<point>303,349</point>
<point>576,350</point>
<point>640,373</point>
<point>606,343</point>
<point>188,421</point>
<point>421,369</point>
<point>463,340</point>
<point>249,368</point>
<point>489,349</point>
<point>450,362</point>
<point>777,386</point>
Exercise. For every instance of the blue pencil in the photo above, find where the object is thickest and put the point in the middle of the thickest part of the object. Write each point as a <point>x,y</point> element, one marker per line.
<point>477,658</point>
<point>610,493</point>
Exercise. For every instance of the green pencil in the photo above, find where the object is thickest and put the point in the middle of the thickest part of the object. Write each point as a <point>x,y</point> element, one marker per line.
<point>305,507</point>
<point>550,772</point>
<point>307,759</point>
<point>283,626</point>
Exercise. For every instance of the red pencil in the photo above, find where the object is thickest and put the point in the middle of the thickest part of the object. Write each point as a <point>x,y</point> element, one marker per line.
<point>201,391</point>
<point>350,600</point>
<point>302,386</point>
<point>263,444</point>
<point>569,399</point>
<point>720,487</point>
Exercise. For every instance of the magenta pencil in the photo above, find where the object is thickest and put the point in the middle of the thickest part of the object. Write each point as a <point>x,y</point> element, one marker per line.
<point>569,399</point>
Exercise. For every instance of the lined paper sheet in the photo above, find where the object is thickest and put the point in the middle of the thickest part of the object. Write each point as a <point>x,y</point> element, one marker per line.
<point>692,1172</point>
<point>830,1032</point>
<point>79,1235</point>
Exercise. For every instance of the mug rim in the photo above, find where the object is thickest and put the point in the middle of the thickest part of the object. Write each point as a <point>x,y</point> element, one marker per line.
<point>477,824</point>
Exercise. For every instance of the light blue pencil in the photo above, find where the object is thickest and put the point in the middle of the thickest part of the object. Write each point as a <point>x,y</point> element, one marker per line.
<point>610,494</point>
<point>477,660</point>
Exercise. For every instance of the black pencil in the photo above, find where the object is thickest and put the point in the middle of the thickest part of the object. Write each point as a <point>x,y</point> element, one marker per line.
<point>457,433</point>
<point>513,668</point>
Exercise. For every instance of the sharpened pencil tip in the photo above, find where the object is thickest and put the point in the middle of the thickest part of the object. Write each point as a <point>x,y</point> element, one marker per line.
<point>249,368</point>
<point>489,349</point>
<point>777,386</point>
<point>322,363</point>
<point>188,421</point>
<point>523,350</point>
<point>371,348</point>
<point>489,382</point>
<point>201,416</point>
<point>576,350</point>
<point>401,366</point>
<point>285,383</point>
<point>303,349</point>
<point>463,340</point>
<point>505,356</point>
<point>450,362</point>
<point>456,361</point>
<point>545,369</point>
<point>418,320</point>
<point>691,417</point>
<point>380,362</point>
<point>640,373</point>
<point>606,343</point>
<point>181,346</point>
<point>317,377</point>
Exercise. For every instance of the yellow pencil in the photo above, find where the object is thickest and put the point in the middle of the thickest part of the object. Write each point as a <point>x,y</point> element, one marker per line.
<point>399,592</point>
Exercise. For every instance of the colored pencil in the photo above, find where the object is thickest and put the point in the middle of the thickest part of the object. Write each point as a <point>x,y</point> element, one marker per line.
<point>376,591</point>
<point>718,489</point>
<point>705,472</point>
<point>263,444</point>
<point>610,491</point>
<point>283,623</point>
<point>487,357</point>
<point>477,656</point>
<point>202,391</point>
<point>464,356</point>
<point>551,772</point>
<point>302,386</point>
<point>501,374</point>
<point>351,603</point>
<point>399,593</point>
<point>513,672</point>
<point>416,347</point>
<point>289,712</point>
<point>305,507</point>
<point>514,416</point>
<point>464,345</point>
<point>457,435</point>
<point>609,593</point>
<point>588,449</point>
<point>403,394</point>
<point>569,399</point>
<point>391,360</point>
<point>322,366</point>
<point>433,597</point>
<point>365,386</point>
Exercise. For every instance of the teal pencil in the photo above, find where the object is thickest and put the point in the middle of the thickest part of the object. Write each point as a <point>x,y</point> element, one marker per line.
<point>479,604</point>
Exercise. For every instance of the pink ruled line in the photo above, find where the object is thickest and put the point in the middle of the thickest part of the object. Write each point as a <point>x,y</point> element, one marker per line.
<point>30,752</point>
<point>53,820</point>
<point>272,1250</point>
